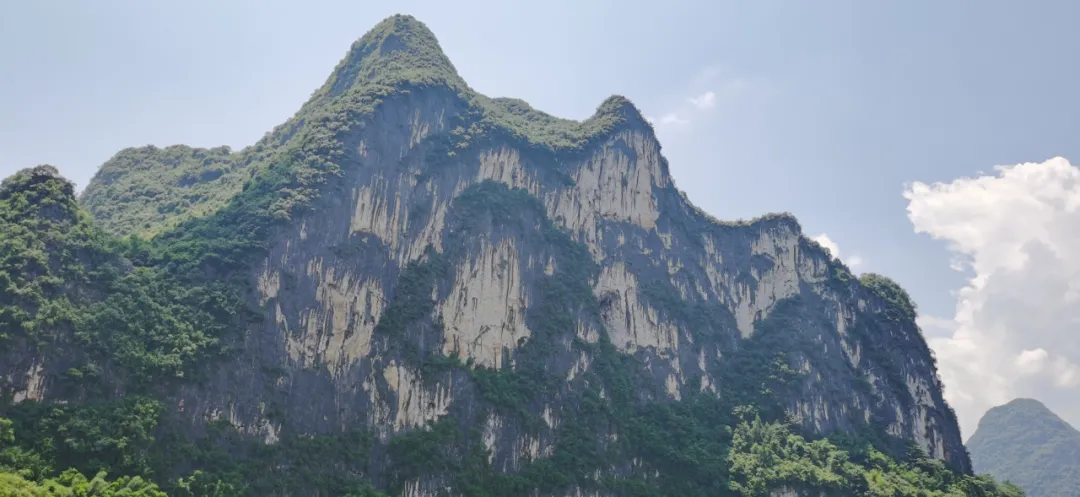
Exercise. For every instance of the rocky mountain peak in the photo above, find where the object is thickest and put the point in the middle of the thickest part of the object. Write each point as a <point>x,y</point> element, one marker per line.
<point>620,106</point>
<point>398,50</point>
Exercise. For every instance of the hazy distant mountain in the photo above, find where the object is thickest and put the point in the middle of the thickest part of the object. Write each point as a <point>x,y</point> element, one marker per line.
<point>1029,445</point>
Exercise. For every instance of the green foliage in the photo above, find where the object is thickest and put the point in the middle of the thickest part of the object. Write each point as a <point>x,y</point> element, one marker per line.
<point>114,436</point>
<point>1027,444</point>
<point>65,288</point>
<point>73,484</point>
<point>118,438</point>
<point>148,190</point>
<point>840,278</point>
<point>398,51</point>
<point>768,456</point>
<point>233,464</point>
<point>554,139</point>
<point>24,472</point>
<point>900,307</point>
<point>151,328</point>
<point>200,484</point>
<point>44,243</point>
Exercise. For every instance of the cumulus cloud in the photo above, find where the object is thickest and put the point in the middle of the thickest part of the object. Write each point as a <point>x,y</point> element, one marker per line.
<point>704,101</point>
<point>823,239</point>
<point>1016,329</point>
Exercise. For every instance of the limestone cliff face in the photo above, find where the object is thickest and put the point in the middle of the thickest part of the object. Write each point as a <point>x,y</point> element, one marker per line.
<point>329,278</point>
<point>448,248</point>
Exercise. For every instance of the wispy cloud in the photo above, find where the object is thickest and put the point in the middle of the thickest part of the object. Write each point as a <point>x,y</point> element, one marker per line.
<point>715,92</point>
<point>668,120</point>
<point>705,101</point>
<point>673,118</point>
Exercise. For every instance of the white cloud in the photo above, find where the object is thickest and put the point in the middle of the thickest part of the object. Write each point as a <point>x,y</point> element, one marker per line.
<point>823,239</point>
<point>1031,361</point>
<point>704,101</point>
<point>828,243</point>
<point>673,118</point>
<point>935,326</point>
<point>669,120</point>
<point>1016,330</point>
<point>723,92</point>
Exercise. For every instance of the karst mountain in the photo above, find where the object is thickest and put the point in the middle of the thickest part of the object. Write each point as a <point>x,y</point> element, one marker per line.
<point>412,289</point>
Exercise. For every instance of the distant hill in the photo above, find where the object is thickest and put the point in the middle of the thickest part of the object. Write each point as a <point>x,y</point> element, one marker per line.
<point>1029,445</point>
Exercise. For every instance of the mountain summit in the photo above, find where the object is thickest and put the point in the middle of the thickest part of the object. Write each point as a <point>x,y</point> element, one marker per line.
<point>1027,444</point>
<point>400,49</point>
<point>412,287</point>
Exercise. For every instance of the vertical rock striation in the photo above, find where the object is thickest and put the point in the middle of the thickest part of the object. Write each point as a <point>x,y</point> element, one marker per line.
<point>440,257</point>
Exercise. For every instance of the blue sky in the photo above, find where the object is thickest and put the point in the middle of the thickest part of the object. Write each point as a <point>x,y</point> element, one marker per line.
<point>828,109</point>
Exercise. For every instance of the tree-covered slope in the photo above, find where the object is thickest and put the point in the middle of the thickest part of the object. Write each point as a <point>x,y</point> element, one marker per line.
<point>68,292</point>
<point>145,190</point>
<point>1027,444</point>
<point>413,289</point>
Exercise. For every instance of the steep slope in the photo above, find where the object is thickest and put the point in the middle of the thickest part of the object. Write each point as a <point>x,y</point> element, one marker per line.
<point>1027,444</point>
<point>436,291</point>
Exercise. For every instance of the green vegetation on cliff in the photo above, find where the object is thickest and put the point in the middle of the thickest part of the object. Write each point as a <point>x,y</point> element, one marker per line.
<point>74,484</point>
<point>130,321</point>
<point>701,446</point>
<point>901,307</point>
<point>149,191</point>
<point>1027,444</point>
<point>66,290</point>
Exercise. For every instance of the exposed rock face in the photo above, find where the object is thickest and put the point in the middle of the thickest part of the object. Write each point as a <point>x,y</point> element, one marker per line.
<point>433,240</point>
<point>622,205</point>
